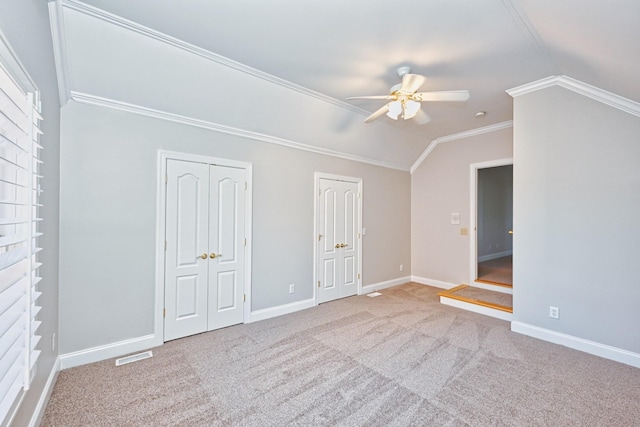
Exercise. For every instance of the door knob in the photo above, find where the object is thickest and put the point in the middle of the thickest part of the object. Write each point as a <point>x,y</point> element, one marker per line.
<point>212,255</point>
<point>203,256</point>
<point>337,245</point>
<point>510,232</point>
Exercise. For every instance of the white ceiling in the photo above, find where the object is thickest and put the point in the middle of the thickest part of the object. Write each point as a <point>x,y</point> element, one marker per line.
<point>346,48</point>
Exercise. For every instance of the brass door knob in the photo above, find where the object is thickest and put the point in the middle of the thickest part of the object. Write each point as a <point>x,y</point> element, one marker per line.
<point>337,245</point>
<point>510,232</point>
<point>212,255</point>
<point>204,256</point>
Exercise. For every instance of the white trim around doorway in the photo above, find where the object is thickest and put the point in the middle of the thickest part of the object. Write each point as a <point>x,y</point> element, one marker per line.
<point>163,156</point>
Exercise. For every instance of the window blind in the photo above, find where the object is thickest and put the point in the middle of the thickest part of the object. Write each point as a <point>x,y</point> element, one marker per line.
<point>19,234</point>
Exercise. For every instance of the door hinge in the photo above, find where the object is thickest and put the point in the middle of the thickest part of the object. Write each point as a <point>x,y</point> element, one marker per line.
<point>166,178</point>
<point>319,237</point>
<point>246,185</point>
<point>245,241</point>
<point>358,235</point>
<point>318,283</point>
<point>358,276</point>
<point>165,245</point>
<point>164,312</point>
<point>244,298</point>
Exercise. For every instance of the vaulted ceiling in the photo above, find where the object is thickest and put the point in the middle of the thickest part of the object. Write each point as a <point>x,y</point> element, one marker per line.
<point>346,48</point>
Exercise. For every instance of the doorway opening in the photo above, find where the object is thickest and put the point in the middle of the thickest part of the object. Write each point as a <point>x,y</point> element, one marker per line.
<point>492,215</point>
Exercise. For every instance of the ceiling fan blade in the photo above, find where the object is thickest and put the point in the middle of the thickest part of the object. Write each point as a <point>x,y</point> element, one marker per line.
<point>378,113</point>
<point>421,117</point>
<point>446,95</point>
<point>412,82</point>
<point>372,97</point>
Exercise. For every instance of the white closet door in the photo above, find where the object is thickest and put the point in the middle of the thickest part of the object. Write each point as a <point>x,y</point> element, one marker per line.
<point>226,246</point>
<point>338,251</point>
<point>187,256</point>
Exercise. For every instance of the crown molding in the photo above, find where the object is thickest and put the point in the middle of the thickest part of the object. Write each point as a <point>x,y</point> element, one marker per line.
<point>457,136</point>
<point>203,124</point>
<point>195,50</point>
<point>11,64</point>
<point>597,94</point>
<point>56,18</point>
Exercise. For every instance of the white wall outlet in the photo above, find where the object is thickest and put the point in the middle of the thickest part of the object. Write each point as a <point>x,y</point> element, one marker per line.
<point>401,267</point>
<point>455,218</point>
<point>292,288</point>
<point>554,312</point>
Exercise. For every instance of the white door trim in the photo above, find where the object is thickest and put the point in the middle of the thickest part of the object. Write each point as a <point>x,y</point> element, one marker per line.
<point>163,156</point>
<point>317,177</point>
<point>473,222</point>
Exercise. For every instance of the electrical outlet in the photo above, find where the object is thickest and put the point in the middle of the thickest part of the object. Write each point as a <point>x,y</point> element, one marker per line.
<point>401,267</point>
<point>554,312</point>
<point>292,288</point>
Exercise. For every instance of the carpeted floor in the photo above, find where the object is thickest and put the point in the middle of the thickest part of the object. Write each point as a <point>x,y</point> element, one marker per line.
<point>400,359</point>
<point>499,270</point>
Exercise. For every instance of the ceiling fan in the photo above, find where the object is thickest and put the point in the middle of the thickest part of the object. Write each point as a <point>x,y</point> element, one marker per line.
<point>405,100</point>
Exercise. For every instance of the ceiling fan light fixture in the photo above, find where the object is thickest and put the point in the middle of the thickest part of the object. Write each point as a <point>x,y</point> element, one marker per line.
<point>395,108</point>
<point>410,109</point>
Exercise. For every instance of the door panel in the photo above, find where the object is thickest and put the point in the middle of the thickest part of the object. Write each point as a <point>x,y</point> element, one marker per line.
<point>186,230</point>
<point>204,264</point>
<point>226,240</point>
<point>338,243</point>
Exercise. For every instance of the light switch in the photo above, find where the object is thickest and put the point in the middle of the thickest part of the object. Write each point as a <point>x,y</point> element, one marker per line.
<point>455,218</point>
<point>364,231</point>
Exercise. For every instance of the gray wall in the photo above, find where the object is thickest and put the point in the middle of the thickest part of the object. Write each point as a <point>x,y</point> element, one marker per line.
<point>25,24</point>
<point>576,210</point>
<point>440,187</point>
<point>495,210</point>
<point>108,213</point>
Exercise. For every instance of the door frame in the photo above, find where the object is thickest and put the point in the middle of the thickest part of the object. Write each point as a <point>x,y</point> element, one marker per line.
<point>317,177</point>
<point>473,215</point>
<point>163,156</point>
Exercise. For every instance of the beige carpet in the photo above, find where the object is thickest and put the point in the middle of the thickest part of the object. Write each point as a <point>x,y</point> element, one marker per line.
<point>499,270</point>
<point>400,359</point>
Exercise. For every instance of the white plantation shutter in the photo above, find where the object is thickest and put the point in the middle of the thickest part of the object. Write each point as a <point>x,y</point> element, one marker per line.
<point>19,209</point>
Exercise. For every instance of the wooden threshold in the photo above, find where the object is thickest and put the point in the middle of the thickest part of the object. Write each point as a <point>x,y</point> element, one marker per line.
<point>489,282</point>
<point>451,294</point>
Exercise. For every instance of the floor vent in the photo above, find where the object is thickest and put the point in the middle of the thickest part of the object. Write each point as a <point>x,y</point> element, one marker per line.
<point>374,294</point>
<point>133,358</point>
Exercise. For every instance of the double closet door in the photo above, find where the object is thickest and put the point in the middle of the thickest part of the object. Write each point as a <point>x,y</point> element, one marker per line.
<point>205,248</point>
<point>338,242</point>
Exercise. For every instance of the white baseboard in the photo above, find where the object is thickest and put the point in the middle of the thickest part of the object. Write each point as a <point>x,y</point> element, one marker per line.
<point>383,285</point>
<point>498,314</point>
<point>108,351</point>
<point>268,313</point>
<point>489,257</point>
<point>38,413</point>
<point>591,347</point>
<point>433,282</point>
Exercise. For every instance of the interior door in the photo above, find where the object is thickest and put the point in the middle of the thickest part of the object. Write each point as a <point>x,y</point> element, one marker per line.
<point>204,264</point>
<point>226,247</point>
<point>186,256</point>
<point>338,244</point>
